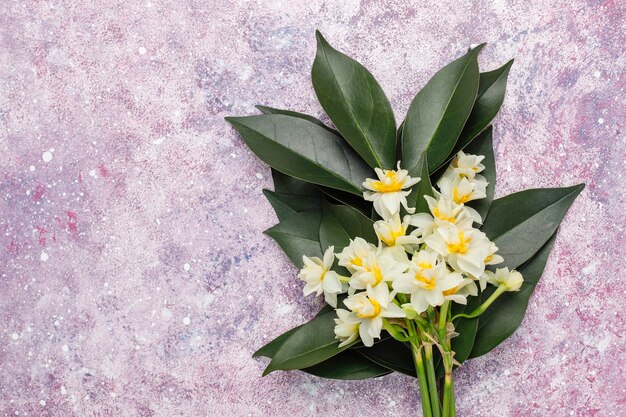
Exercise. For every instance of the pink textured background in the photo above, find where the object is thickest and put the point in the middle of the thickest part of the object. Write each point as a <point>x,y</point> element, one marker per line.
<point>135,280</point>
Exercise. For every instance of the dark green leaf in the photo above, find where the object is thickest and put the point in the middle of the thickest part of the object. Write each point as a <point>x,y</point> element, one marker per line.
<point>270,349</point>
<point>341,197</point>
<point>483,145</point>
<point>298,235</point>
<point>356,105</point>
<point>491,90</point>
<point>521,223</point>
<point>341,223</point>
<point>287,204</point>
<point>285,184</point>
<point>391,354</point>
<point>462,344</point>
<point>308,345</point>
<point>505,315</point>
<point>348,365</point>
<point>271,110</point>
<point>303,150</point>
<point>438,113</point>
<point>424,187</point>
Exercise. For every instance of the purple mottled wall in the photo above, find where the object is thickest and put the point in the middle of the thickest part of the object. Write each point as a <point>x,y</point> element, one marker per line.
<point>135,280</point>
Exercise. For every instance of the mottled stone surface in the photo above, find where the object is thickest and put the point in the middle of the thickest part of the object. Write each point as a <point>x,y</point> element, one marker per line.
<point>135,280</point>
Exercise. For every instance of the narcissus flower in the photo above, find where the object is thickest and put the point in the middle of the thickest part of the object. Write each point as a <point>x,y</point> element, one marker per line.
<point>427,281</point>
<point>460,293</point>
<point>377,269</point>
<point>319,278</point>
<point>465,165</point>
<point>389,191</point>
<point>462,190</point>
<point>392,232</point>
<point>370,310</point>
<point>512,281</point>
<point>346,327</point>
<point>464,250</point>
<point>352,255</point>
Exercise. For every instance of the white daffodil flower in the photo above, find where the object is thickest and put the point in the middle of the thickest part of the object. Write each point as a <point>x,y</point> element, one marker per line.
<point>352,255</point>
<point>460,293</point>
<point>346,327</point>
<point>370,309</point>
<point>392,232</point>
<point>446,212</point>
<point>389,191</point>
<point>319,278</point>
<point>464,250</point>
<point>465,165</point>
<point>427,282</point>
<point>512,281</point>
<point>461,189</point>
<point>377,269</point>
<point>492,257</point>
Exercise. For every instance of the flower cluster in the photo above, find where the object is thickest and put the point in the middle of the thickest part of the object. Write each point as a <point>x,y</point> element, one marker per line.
<point>422,259</point>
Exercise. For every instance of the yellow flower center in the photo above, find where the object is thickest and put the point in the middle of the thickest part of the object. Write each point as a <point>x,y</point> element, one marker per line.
<point>378,275</point>
<point>357,261</point>
<point>460,198</point>
<point>390,185</point>
<point>391,240</point>
<point>429,282</point>
<point>451,291</point>
<point>425,265</point>
<point>461,246</point>
<point>375,310</point>
<point>438,214</point>
<point>488,259</point>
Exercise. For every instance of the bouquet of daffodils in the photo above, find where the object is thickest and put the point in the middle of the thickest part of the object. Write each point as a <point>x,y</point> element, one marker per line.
<point>420,268</point>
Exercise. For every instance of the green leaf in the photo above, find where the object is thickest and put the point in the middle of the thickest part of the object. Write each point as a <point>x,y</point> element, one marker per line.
<point>521,223</point>
<point>341,197</point>
<point>505,315</point>
<point>391,354</point>
<point>466,328</point>
<point>340,223</point>
<point>347,365</point>
<point>424,187</point>
<point>270,349</point>
<point>287,204</point>
<point>303,150</point>
<point>356,104</point>
<point>483,145</point>
<point>308,345</point>
<point>298,235</point>
<point>438,112</point>
<point>286,184</point>
<point>272,110</point>
<point>491,90</point>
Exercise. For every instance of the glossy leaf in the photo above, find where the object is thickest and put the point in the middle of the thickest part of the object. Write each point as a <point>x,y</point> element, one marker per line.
<point>303,150</point>
<point>521,223</point>
<point>505,315</point>
<point>286,205</point>
<point>356,104</point>
<point>341,197</point>
<point>339,224</point>
<point>483,145</point>
<point>491,90</point>
<point>308,345</point>
<point>271,348</point>
<point>438,112</point>
<point>347,365</point>
<point>467,328</point>
<point>424,187</point>
<point>391,354</point>
<point>272,110</point>
<point>298,235</point>
<point>286,184</point>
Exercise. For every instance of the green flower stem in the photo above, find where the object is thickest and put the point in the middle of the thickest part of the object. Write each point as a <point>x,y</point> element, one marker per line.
<point>484,306</point>
<point>443,321</point>
<point>452,402</point>
<point>419,368</point>
<point>432,380</point>
<point>448,395</point>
